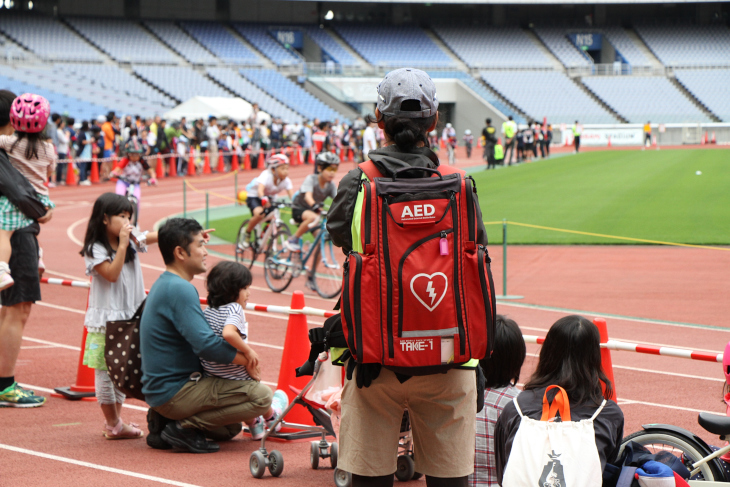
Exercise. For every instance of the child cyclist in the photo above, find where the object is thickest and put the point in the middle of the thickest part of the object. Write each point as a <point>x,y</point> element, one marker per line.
<point>117,290</point>
<point>132,169</point>
<point>308,201</point>
<point>228,291</point>
<point>272,181</point>
<point>32,154</point>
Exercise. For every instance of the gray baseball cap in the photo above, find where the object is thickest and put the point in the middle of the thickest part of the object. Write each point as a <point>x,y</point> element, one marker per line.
<point>407,84</point>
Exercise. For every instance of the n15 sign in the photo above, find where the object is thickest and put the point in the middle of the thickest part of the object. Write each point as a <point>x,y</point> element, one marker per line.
<point>588,42</point>
<point>292,38</point>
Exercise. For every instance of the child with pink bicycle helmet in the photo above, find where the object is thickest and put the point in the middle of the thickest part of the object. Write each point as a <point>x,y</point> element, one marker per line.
<point>31,153</point>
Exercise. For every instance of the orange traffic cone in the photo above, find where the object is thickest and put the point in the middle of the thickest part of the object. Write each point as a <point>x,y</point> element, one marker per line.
<point>221,165</point>
<point>84,385</point>
<point>173,166</point>
<point>206,163</point>
<point>296,352</point>
<point>311,156</point>
<point>159,168</point>
<point>609,141</point>
<point>70,176</point>
<point>191,163</point>
<point>262,160</point>
<point>247,160</point>
<point>234,162</point>
<point>350,155</point>
<point>94,177</point>
<point>712,141</point>
<point>295,156</point>
<point>342,154</point>
<point>606,362</point>
<point>703,140</point>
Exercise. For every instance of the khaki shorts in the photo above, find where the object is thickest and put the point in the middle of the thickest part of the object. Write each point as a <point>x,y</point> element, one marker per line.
<point>442,410</point>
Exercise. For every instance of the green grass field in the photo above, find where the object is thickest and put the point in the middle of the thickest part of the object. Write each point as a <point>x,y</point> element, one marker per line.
<point>653,195</point>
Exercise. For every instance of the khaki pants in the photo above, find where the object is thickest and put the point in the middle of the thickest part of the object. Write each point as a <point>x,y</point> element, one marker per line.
<point>212,403</point>
<point>442,409</point>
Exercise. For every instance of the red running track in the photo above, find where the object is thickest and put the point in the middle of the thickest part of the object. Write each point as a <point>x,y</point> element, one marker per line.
<point>654,295</point>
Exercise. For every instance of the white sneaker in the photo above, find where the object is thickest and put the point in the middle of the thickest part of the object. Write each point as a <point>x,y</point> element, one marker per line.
<point>246,243</point>
<point>5,280</point>
<point>292,244</point>
<point>278,404</point>
<point>85,182</point>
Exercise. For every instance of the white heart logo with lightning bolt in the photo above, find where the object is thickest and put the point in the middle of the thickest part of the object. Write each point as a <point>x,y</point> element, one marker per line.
<point>430,290</point>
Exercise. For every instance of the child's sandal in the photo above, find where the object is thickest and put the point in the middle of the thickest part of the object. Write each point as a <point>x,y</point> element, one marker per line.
<point>118,433</point>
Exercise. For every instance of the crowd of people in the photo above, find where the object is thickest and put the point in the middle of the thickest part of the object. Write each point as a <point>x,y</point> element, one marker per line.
<point>108,136</point>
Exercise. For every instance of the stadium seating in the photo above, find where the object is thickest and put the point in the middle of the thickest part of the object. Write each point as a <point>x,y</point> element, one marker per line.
<point>47,38</point>
<point>547,94</point>
<point>480,90</point>
<point>181,42</point>
<point>625,46</point>
<point>710,86</point>
<point>140,97</point>
<point>12,80</point>
<point>253,94</point>
<point>259,37</point>
<point>395,46</point>
<point>221,43</point>
<point>557,41</point>
<point>180,82</point>
<point>489,47</point>
<point>330,46</point>
<point>290,94</point>
<point>688,45</point>
<point>124,40</point>
<point>642,98</point>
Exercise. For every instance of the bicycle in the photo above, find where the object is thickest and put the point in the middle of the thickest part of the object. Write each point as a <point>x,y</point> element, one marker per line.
<point>267,237</point>
<point>325,274</point>
<point>703,463</point>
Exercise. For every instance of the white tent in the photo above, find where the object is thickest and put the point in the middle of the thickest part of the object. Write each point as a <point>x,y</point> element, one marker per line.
<point>204,106</point>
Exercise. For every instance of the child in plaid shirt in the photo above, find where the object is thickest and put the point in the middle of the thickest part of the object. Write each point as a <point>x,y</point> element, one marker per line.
<point>502,371</point>
<point>31,153</point>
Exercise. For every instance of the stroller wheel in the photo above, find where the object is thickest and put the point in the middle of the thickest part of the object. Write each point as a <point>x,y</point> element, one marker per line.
<point>334,452</point>
<point>342,478</point>
<point>416,475</point>
<point>276,463</point>
<point>314,454</point>
<point>257,464</point>
<point>405,468</point>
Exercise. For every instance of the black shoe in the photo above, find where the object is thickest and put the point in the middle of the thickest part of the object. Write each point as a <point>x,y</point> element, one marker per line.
<point>156,422</point>
<point>190,439</point>
<point>154,440</point>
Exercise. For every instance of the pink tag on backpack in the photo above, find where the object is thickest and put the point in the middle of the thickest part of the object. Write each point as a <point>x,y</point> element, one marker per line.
<point>444,246</point>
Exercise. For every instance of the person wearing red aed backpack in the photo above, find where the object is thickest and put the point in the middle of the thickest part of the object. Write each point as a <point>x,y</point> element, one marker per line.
<point>413,233</point>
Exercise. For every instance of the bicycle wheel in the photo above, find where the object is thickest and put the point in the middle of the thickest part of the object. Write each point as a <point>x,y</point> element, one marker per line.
<point>246,255</point>
<point>135,214</point>
<point>278,270</point>
<point>327,272</point>
<point>684,448</point>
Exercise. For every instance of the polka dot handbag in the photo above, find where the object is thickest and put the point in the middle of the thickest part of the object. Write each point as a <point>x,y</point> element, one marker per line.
<point>122,354</point>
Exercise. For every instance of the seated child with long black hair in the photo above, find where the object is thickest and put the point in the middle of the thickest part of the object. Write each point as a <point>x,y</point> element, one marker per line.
<point>228,291</point>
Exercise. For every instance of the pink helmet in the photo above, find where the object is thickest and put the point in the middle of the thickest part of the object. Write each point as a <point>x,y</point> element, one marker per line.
<point>29,113</point>
<point>726,363</point>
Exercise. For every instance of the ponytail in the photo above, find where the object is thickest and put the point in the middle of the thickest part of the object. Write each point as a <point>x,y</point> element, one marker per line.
<point>405,132</point>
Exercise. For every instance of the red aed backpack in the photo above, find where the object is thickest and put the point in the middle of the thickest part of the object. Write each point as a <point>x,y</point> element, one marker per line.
<point>421,294</point>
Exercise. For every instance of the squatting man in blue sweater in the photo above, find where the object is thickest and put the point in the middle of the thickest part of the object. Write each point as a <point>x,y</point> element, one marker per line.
<point>187,408</point>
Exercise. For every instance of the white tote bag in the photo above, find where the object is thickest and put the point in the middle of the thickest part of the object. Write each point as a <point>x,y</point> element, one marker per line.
<point>547,453</point>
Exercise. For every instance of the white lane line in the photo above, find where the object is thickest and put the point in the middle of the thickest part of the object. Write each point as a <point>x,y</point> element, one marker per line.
<point>37,347</point>
<point>650,371</point>
<point>613,316</point>
<point>624,402</point>
<point>52,344</point>
<point>62,308</point>
<point>266,345</point>
<point>95,466</point>
<point>72,227</point>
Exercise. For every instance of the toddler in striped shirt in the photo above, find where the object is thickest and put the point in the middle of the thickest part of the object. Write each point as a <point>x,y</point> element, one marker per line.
<point>228,291</point>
